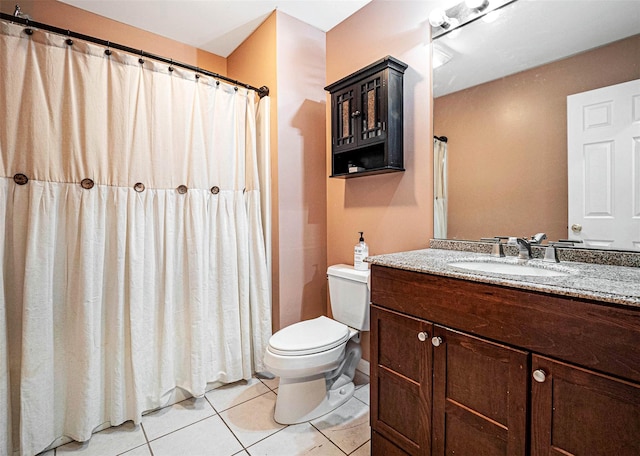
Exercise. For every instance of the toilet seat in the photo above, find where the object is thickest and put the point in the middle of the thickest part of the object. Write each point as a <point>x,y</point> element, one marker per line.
<point>309,337</point>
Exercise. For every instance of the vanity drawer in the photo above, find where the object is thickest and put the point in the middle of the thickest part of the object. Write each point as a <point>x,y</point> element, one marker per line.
<point>588,333</point>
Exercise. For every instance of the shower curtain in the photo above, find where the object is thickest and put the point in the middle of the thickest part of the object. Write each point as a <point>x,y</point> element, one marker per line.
<point>439,189</point>
<point>132,248</point>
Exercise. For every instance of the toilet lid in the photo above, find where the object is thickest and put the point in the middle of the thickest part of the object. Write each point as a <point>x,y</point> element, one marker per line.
<point>308,337</point>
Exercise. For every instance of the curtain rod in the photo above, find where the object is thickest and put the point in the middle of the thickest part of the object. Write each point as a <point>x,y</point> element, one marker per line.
<point>262,91</point>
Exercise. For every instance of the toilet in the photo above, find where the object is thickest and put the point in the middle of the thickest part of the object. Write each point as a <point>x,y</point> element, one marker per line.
<point>316,359</point>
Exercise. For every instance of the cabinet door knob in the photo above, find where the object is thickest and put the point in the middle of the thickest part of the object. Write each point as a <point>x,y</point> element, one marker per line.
<point>355,113</point>
<point>422,336</point>
<point>436,341</point>
<point>539,375</point>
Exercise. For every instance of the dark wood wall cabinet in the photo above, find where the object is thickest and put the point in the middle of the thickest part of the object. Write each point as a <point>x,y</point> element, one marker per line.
<point>366,120</point>
<point>465,368</point>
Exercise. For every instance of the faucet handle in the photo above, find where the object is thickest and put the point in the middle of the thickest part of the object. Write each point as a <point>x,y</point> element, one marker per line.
<point>497,250</point>
<point>551,253</point>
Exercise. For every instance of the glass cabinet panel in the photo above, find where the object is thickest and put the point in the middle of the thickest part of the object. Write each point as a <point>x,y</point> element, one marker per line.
<point>371,113</point>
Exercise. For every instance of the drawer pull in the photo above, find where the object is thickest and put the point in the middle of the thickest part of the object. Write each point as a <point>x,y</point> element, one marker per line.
<point>539,375</point>
<point>436,341</point>
<point>422,336</point>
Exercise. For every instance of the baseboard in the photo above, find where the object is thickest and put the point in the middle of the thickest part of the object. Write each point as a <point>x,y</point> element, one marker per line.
<point>363,366</point>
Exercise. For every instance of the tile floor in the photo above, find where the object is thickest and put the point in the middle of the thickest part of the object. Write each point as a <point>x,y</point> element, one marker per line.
<point>236,419</point>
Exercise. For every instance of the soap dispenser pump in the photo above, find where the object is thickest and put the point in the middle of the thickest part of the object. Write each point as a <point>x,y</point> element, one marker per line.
<point>360,252</point>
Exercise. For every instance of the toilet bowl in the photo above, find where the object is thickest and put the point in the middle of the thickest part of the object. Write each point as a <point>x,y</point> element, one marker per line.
<point>316,359</point>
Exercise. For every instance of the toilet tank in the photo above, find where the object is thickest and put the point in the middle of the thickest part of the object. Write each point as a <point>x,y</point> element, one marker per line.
<point>350,295</point>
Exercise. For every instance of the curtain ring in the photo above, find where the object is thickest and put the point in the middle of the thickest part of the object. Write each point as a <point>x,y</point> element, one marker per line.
<point>182,189</point>
<point>69,41</point>
<point>171,66</point>
<point>28,31</point>
<point>20,179</point>
<point>141,60</point>
<point>139,187</point>
<point>215,189</point>
<point>87,184</point>
<point>108,51</point>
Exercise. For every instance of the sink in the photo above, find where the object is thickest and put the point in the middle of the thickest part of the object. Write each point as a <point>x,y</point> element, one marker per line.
<point>515,269</point>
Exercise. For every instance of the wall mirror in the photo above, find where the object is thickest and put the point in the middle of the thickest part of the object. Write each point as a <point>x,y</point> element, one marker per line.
<point>500,97</point>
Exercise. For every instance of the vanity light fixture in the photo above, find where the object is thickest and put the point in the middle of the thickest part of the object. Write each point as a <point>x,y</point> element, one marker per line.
<point>445,21</point>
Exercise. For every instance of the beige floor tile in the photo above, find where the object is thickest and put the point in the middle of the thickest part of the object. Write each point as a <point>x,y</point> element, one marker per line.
<point>362,393</point>
<point>271,383</point>
<point>347,426</point>
<point>140,451</point>
<point>298,439</point>
<point>110,442</point>
<point>253,420</point>
<point>364,450</point>
<point>360,379</point>
<point>172,418</point>
<point>235,393</point>
<point>209,437</point>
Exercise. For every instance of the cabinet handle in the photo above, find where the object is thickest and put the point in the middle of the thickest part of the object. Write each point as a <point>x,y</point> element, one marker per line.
<point>436,341</point>
<point>422,336</point>
<point>539,375</point>
<point>355,114</point>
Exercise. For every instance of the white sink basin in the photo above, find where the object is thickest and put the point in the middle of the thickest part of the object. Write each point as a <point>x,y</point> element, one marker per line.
<point>508,268</point>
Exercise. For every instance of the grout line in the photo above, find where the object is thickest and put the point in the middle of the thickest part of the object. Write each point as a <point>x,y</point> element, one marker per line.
<point>360,446</point>
<point>179,429</point>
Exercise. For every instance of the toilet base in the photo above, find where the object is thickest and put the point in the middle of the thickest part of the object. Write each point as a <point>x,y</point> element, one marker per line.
<point>301,400</point>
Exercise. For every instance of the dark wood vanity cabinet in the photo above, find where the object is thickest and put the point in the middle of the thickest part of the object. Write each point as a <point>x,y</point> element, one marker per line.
<point>367,120</point>
<point>465,368</point>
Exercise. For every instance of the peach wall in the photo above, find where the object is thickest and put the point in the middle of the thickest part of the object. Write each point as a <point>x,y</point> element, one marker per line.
<point>69,17</point>
<point>518,185</point>
<point>301,170</point>
<point>289,56</point>
<point>394,210</point>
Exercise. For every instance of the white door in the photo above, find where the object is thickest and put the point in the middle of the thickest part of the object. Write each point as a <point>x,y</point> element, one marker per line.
<point>603,127</point>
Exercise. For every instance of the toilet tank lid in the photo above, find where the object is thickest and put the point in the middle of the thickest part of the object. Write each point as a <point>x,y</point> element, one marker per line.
<point>346,271</point>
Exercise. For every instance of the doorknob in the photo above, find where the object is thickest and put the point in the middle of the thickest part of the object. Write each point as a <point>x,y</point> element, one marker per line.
<point>576,227</point>
<point>422,336</point>
<point>436,341</point>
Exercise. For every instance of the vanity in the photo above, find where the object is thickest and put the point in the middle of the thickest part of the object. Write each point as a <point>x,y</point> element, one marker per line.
<point>475,363</point>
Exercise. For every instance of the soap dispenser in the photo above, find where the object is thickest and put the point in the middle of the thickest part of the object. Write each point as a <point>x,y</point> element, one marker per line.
<point>360,252</point>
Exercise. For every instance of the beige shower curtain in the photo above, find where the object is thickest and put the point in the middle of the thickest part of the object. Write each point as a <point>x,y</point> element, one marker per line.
<point>439,189</point>
<point>133,259</point>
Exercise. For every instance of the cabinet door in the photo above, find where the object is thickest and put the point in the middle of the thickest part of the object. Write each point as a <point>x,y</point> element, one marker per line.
<point>345,114</point>
<point>400,381</point>
<point>579,412</point>
<point>479,396</point>
<point>372,113</point>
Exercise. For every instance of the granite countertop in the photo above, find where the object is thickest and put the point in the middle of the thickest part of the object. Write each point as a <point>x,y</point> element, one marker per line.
<point>612,284</point>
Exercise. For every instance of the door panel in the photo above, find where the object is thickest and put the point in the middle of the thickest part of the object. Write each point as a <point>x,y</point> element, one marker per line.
<point>479,396</point>
<point>401,380</point>
<point>579,412</point>
<point>603,128</point>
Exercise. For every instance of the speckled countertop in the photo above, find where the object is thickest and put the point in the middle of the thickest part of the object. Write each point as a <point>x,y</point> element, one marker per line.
<point>612,284</point>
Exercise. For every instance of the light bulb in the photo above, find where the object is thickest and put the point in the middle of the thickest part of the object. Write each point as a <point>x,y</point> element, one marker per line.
<point>479,5</point>
<point>438,18</point>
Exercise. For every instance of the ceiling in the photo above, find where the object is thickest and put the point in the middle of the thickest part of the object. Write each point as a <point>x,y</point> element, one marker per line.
<point>217,26</point>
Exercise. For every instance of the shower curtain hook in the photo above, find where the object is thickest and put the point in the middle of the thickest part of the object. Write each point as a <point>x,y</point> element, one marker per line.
<point>171,66</point>
<point>108,51</point>
<point>197,71</point>
<point>69,41</point>
<point>141,60</point>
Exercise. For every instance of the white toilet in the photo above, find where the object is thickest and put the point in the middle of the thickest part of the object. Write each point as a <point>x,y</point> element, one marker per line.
<point>316,359</point>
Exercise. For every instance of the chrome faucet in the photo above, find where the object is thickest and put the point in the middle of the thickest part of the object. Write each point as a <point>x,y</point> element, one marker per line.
<point>524,247</point>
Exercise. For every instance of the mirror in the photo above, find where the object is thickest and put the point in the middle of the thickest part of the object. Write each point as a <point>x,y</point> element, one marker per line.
<point>501,101</point>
